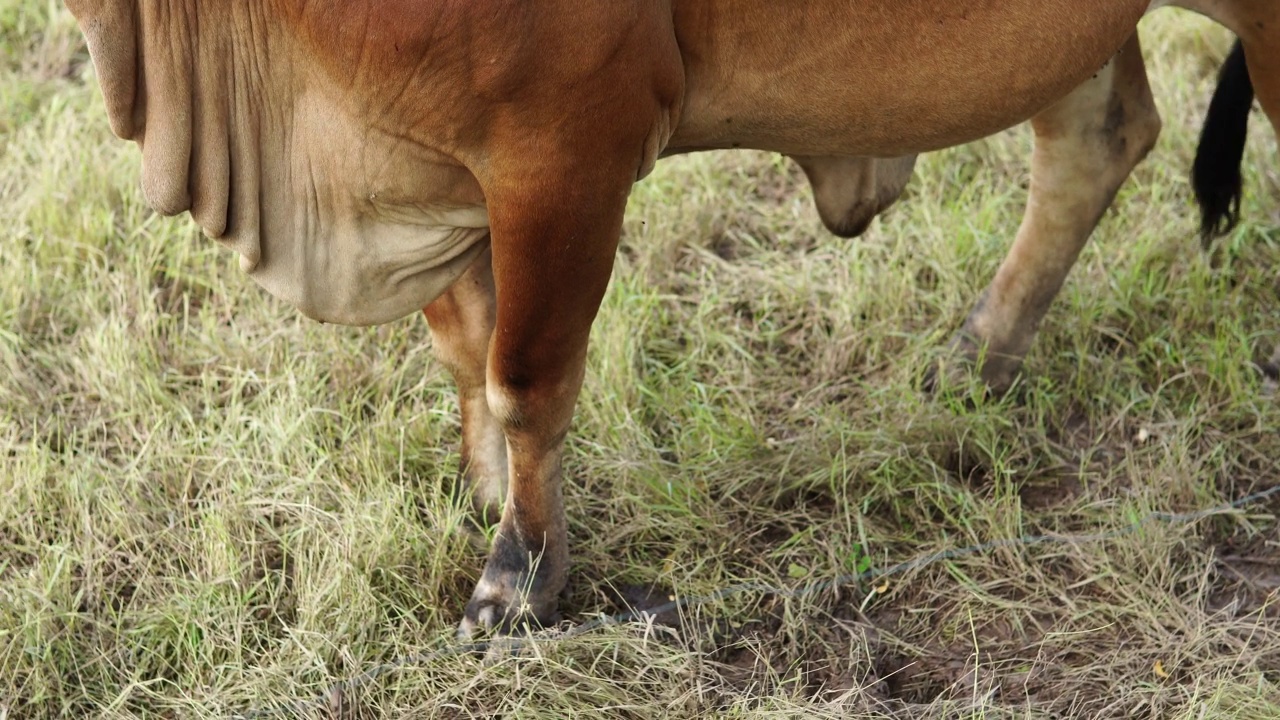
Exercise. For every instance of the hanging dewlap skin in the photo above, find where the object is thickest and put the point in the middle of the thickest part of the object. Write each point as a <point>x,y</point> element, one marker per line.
<point>349,223</point>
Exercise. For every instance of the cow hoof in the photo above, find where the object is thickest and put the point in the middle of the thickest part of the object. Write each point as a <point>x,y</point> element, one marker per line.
<point>514,595</point>
<point>1269,370</point>
<point>483,618</point>
<point>962,359</point>
<point>947,375</point>
<point>489,614</point>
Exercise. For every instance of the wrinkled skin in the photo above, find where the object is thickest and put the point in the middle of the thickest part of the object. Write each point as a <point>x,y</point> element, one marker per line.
<point>1086,144</point>
<point>371,157</point>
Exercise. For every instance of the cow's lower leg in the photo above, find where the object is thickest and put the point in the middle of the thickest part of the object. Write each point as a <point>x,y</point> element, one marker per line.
<point>462,321</point>
<point>1085,147</point>
<point>550,268</point>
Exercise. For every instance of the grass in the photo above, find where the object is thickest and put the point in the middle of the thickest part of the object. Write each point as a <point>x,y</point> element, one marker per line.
<point>209,504</point>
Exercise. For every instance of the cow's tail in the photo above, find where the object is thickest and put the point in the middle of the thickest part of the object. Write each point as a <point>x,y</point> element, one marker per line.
<point>1215,175</point>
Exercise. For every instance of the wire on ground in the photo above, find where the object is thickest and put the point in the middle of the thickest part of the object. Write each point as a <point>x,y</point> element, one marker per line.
<point>345,687</point>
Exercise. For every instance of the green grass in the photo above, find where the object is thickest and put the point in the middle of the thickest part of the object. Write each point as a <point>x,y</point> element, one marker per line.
<point>209,503</point>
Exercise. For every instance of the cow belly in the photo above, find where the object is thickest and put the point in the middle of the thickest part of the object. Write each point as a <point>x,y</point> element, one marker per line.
<point>366,274</point>
<point>882,77</point>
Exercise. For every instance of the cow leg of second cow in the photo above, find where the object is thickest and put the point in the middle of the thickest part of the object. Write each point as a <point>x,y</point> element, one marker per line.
<point>553,246</point>
<point>1264,66</point>
<point>1085,147</point>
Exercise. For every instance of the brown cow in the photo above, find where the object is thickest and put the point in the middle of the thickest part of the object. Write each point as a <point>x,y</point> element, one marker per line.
<point>1085,146</point>
<point>370,157</point>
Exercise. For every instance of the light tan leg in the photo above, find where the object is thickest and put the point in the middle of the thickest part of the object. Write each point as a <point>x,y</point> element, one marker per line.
<point>462,321</point>
<point>1085,147</point>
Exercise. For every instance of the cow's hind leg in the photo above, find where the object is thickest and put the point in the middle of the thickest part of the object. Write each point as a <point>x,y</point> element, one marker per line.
<point>1261,42</point>
<point>1085,147</point>
<point>461,322</point>
<point>1264,64</point>
<point>1260,36</point>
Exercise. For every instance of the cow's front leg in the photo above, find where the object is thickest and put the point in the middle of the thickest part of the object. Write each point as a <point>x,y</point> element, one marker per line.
<point>1085,147</point>
<point>461,322</point>
<point>553,251</point>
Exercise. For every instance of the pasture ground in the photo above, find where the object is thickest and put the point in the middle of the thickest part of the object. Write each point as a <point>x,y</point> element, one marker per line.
<point>209,503</point>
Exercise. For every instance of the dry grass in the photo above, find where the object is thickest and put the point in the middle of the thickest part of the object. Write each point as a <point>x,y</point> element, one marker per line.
<point>208,503</point>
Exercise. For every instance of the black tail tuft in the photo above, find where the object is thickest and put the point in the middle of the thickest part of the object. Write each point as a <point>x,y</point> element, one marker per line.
<point>1215,176</point>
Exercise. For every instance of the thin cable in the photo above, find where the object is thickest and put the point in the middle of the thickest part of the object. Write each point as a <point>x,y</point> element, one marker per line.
<point>344,687</point>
